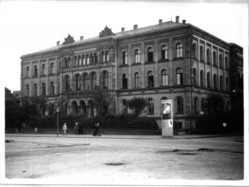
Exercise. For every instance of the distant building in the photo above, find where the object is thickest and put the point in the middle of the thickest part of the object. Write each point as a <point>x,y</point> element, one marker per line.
<point>169,60</point>
<point>17,94</point>
<point>10,97</point>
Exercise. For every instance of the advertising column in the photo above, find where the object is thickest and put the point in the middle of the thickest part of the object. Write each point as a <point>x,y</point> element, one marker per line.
<point>167,118</point>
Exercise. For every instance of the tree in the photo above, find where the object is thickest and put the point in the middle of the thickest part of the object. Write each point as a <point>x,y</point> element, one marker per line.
<point>214,105</point>
<point>102,100</point>
<point>137,104</point>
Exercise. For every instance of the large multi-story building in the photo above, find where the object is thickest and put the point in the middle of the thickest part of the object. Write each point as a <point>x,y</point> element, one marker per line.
<point>169,60</point>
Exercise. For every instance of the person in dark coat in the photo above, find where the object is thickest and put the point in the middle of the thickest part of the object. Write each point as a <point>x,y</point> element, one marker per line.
<point>96,130</point>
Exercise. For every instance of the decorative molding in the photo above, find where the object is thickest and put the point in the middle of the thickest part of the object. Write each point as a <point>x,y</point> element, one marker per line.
<point>68,40</point>
<point>106,32</point>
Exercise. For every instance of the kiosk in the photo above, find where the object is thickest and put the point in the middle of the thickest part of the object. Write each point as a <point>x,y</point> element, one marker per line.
<point>167,118</point>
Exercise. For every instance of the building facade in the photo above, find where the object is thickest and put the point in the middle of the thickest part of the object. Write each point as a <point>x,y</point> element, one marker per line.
<point>170,60</point>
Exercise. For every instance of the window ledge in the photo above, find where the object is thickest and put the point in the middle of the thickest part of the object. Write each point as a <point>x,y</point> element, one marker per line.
<point>136,64</point>
<point>123,65</point>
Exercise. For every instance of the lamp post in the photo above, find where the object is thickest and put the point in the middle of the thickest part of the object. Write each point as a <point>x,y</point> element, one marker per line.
<point>57,111</point>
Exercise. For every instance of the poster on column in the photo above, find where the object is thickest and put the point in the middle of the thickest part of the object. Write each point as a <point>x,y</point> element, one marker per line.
<point>167,110</point>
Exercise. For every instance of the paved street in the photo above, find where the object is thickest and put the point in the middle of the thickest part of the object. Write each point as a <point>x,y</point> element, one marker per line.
<point>123,159</point>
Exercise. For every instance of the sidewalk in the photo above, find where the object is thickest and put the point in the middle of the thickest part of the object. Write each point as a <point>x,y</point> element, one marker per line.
<point>155,137</point>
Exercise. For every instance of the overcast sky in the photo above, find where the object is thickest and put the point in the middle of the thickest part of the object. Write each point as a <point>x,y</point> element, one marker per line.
<point>29,26</point>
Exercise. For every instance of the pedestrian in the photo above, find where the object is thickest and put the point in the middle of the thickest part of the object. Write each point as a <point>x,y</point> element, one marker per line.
<point>36,129</point>
<point>64,128</point>
<point>96,131</point>
<point>76,128</point>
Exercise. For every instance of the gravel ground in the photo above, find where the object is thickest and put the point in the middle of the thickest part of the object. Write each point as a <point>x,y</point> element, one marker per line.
<point>123,159</point>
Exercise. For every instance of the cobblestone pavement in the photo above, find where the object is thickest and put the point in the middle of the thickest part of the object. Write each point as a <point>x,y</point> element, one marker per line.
<point>116,159</point>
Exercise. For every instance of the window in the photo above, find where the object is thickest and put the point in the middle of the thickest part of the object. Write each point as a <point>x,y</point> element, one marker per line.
<point>178,50</point>
<point>194,77</point>
<point>27,90</point>
<point>226,62</point>
<point>52,88</point>
<point>124,81</point>
<point>164,78</point>
<point>87,59</point>
<point>77,82</point>
<point>179,105</point>
<point>35,90</point>
<point>86,81</point>
<point>103,56</point>
<point>93,80</point>
<point>95,58</point>
<point>220,61</point>
<point>164,51</point>
<point>150,79</point>
<point>151,107</point>
<point>150,54</point>
<point>43,69</point>
<point>91,58</point>
<point>105,80</point>
<point>137,56</point>
<point>67,83</point>
<point>35,71</point>
<point>221,82</point>
<point>196,105</point>
<point>83,60</point>
<point>203,104</point>
<point>201,53</point>
<point>27,71</point>
<point>214,59</point>
<point>137,79</point>
<point>208,56</point>
<point>107,56</point>
<point>215,81</point>
<point>43,88</point>
<point>227,84</point>
<point>52,70</point>
<point>194,55</point>
<point>202,78</point>
<point>124,57</point>
<point>179,76</point>
<point>208,80</point>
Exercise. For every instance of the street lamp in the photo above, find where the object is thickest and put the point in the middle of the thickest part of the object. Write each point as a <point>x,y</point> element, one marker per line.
<point>57,111</point>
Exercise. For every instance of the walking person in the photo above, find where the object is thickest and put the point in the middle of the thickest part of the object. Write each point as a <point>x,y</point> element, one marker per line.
<point>76,128</point>
<point>64,128</point>
<point>96,131</point>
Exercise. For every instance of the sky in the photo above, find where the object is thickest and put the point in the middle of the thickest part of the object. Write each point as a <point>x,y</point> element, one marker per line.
<point>30,26</point>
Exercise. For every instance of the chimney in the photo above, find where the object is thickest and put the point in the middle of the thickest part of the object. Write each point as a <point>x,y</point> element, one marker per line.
<point>160,21</point>
<point>177,19</point>
<point>122,29</point>
<point>135,27</point>
<point>81,37</point>
<point>184,21</point>
<point>58,43</point>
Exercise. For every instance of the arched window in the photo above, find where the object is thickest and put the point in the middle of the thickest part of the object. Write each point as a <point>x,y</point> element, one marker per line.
<point>227,84</point>
<point>27,90</point>
<point>105,80</point>
<point>51,88</point>
<point>196,103</point>
<point>179,105</point>
<point>137,56</point>
<point>221,82</point>
<point>43,88</point>
<point>151,106</point>
<point>67,83</point>
<point>226,62</point>
<point>86,81</point>
<point>75,108</point>
<point>179,76</point>
<point>124,57</point>
<point>208,56</point>
<point>27,71</point>
<point>91,58</point>
<point>35,90</point>
<point>83,60</point>
<point>52,69</point>
<point>202,78</point>
<point>79,61</point>
<point>93,81</point>
<point>208,80</point>
<point>35,71</point>
<point>150,54</point>
<point>220,61</point>
<point>77,82</point>
<point>103,56</point>
<point>203,104</point>
<point>124,82</point>
<point>164,52</point>
<point>95,58</point>
<point>214,59</point>
<point>137,80</point>
<point>107,56</point>
<point>150,79</point>
<point>201,53</point>
<point>194,55</point>
<point>179,50</point>
<point>194,76</point>
<point>43,69</point>
<point>87,59</point>
<point>215,81</point>
<point>164,78</point>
